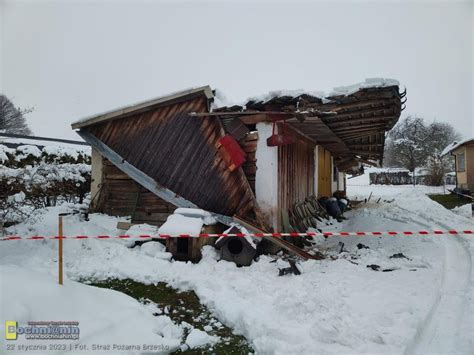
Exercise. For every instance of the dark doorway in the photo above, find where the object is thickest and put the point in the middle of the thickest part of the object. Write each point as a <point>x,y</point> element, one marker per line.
<point>183,246</point>
<point>235,246</point>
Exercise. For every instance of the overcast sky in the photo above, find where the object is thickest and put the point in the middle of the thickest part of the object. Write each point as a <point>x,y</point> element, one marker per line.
<point>70,59</point>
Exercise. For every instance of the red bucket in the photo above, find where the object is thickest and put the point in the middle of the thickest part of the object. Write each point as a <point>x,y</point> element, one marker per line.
<point>277,139</point>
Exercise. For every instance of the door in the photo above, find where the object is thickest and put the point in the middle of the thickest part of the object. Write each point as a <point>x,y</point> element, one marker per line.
<point>324,172</point>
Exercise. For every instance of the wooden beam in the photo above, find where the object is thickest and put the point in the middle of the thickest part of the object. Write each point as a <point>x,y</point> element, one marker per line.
<point>358,128</point>
<point>343,122</point>
<point>363,133</point>
<point>385,111</point>
<point>370,103</point>
<point>376,137</point>
<point>348,137</point>
<point>239,113</point>
<point>357,145</point>
<point>301,133</point>
<point>266,117</point>
<point>460,194</point>
<point>365,152</point>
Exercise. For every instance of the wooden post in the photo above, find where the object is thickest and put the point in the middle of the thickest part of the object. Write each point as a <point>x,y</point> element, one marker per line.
<point>60,250</point>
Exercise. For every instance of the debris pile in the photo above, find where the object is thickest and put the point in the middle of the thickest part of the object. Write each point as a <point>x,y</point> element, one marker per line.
<point>313,213</point>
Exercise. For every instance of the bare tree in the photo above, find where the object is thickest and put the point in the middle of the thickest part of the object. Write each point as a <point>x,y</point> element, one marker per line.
<point>407,144</point>
<point>412,144</point>
<point>12,119</point>
<point>443,134</point>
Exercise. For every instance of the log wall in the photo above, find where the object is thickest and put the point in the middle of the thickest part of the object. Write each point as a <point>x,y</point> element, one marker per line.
<point>249,146</point>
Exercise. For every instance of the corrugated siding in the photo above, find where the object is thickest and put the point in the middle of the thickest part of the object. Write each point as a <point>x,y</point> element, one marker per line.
<point>295,173</point>
<point>179,152</point>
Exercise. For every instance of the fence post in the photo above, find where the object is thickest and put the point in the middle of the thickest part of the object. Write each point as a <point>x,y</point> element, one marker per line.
<point>60,250</point>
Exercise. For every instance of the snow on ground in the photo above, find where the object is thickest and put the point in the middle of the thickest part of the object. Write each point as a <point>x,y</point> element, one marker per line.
<point>448,326</point>
<point>198,338</point>
<point>464,210</point>
<point>424,305</point>
<point>104,316</point>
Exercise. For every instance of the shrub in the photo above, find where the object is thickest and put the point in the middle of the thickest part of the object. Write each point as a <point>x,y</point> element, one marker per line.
<point>33,178</point>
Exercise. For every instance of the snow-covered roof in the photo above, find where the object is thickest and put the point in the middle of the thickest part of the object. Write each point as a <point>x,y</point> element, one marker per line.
<point>350,122</point>
<point>324,97</point>
<point>368,83</point>
<point>455,145</point>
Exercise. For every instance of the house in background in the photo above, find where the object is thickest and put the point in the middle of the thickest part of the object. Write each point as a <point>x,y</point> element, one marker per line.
<point>463,153</point>
<point>251,162</point>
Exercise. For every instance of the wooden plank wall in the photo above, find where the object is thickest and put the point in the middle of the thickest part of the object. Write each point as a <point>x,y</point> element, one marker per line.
<point>295,173</point>
<point>179,152</point>
<point>249,146</point>
<point>121,196</point>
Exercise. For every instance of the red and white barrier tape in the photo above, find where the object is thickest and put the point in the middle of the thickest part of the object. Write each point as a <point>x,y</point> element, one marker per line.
<point>257,235</point>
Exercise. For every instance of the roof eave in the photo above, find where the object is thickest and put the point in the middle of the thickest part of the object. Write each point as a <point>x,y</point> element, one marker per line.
<point>124,111</point>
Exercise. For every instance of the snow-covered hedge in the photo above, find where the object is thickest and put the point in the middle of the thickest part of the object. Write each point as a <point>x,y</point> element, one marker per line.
<point>33,177</point>
<point>24,155</point>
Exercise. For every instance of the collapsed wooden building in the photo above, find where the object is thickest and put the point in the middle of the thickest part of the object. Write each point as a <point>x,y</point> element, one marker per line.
<point>251,163</point>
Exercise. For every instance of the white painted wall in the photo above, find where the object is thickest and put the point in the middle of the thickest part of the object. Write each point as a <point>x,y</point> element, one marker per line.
<point>266,179</point>
<point>341,181</point>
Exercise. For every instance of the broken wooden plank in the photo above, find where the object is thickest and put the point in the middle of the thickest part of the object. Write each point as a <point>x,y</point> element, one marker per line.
<point>278,241</point>
<point>460,194</point>
<point>124,225</point>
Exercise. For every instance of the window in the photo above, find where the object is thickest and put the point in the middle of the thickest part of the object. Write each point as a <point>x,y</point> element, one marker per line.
<point>461,162</point>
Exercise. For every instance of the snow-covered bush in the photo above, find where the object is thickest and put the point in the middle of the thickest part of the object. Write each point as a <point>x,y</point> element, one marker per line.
<point>25,155</point>
<point>32,178</point>
<point>437,166</point>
